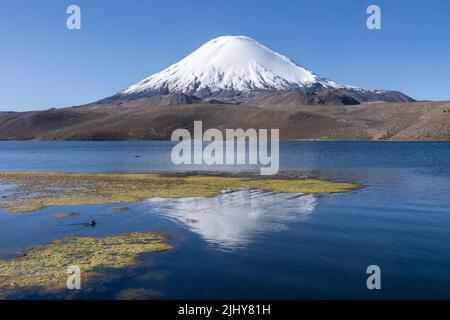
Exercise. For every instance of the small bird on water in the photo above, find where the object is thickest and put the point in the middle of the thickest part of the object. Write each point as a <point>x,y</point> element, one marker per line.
<point>92,223</point>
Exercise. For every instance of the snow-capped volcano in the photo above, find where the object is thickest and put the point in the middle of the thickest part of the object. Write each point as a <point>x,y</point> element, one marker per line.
<point>238,66</point>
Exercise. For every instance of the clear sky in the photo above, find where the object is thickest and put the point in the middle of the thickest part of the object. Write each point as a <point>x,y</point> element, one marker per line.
<point>43,64</point>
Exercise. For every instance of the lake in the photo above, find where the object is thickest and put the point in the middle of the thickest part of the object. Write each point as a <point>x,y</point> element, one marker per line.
<point>260,245</point>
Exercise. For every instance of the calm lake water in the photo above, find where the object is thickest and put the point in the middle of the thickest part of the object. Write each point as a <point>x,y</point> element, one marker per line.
<point>256,245</point>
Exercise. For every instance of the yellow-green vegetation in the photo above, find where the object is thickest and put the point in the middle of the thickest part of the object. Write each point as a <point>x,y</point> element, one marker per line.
<point>65,215</point>
<point>138,294</point>
<point>120,209</point>
<point>44,268</point>
<point>37,190</point>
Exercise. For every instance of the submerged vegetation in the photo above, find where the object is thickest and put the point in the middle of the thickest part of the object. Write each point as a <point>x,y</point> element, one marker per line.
<point>37,190</point>
<point>44,268</point>
<point>138,294</point>
<point>65,215</point>
<point>120,209</point>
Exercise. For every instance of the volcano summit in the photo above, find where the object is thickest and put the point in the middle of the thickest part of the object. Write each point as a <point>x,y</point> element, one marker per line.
<point>237,67</point>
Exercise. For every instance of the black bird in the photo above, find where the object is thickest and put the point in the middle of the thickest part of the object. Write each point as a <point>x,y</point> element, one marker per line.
<point>92,223</point>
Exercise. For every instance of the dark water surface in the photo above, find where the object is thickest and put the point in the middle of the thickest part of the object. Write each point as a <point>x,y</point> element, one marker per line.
<point>252,244</point>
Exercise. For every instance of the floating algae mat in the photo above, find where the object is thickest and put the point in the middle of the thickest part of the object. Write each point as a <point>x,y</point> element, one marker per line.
<point>65,215</point>
<point>36,190</point>
<point>44,268</point>
<point>120,209</point>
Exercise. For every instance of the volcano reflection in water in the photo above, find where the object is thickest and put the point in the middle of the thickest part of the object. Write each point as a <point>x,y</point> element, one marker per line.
<point>233,219</point>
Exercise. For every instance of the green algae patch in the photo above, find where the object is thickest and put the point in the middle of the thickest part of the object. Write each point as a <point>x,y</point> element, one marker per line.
<point>120,209</point>
<point>37,190</point>
<point>138,294</point>
<point>44,268</point>
<point>65,215</point>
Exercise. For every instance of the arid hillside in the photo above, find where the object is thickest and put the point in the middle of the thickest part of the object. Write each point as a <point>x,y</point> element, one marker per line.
<point>146,120</point>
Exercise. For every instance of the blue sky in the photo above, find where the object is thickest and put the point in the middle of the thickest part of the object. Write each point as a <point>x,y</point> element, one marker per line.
<point>43,64</point>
